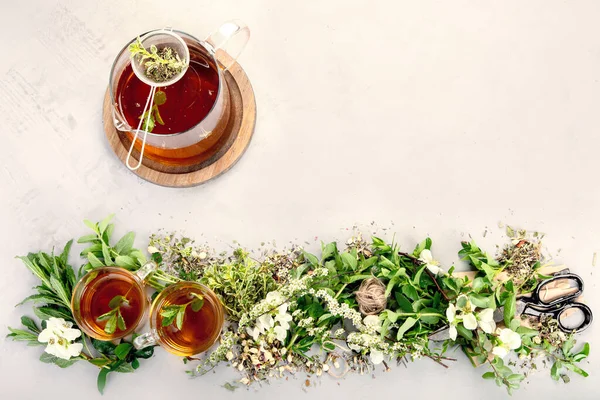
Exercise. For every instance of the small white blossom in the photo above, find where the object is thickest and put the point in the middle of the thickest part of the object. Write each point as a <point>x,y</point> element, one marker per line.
<point>376,356</point>
<point>451,315</point>
<point>486,320</point>
<point>59,334</point>
<point>509,340</point>
<point>152,250</point>
<point>432,265</point>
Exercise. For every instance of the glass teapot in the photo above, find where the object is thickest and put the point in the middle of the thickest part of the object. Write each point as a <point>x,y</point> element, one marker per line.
<point>186,125</point>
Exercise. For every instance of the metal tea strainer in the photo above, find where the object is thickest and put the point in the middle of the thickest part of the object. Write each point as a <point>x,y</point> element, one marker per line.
<point>160,38</point>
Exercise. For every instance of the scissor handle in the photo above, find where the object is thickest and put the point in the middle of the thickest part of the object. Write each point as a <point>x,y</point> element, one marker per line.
<point>536,298</point>
<point>556,312</point>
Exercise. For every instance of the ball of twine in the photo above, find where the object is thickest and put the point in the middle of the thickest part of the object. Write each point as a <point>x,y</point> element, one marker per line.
<point>371,296</point>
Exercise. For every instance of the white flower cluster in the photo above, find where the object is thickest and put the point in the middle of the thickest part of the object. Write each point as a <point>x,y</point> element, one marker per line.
<point>274,323</point>
<point>375,346</point>
<point>464,312</point>
<point>295,288</point>
<point>339,310</point>
<point>59,334</point>
<point>508,340</point>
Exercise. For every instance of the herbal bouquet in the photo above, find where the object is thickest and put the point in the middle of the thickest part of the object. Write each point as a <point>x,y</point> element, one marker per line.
<point>348,309</point>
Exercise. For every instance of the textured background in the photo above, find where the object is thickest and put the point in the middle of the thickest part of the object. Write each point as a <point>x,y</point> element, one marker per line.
<point>441,117</point>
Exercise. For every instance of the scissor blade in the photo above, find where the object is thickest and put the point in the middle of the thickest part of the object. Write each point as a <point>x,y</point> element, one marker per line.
<point>440,335</point>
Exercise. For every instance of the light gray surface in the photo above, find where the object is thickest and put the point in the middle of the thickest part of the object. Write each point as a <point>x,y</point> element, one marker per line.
<point>443,117</point>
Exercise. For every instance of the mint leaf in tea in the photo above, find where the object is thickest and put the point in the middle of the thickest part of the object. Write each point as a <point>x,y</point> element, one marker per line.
<point>176,312</point>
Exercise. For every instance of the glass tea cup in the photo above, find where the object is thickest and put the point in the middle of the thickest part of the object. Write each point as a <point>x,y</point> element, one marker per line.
<point>185,319</point>
<point>194,111</point>
<point>110,302</point>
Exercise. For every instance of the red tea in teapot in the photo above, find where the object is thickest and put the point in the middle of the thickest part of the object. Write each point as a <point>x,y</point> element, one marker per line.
<point>180,106</point>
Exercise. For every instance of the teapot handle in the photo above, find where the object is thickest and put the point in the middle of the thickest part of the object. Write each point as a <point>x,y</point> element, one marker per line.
<point>231,37</point>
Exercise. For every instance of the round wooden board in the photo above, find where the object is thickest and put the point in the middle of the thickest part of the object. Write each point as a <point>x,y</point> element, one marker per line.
<point>243,110</point>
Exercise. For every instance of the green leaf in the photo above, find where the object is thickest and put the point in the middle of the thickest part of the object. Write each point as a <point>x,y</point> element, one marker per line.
<point>64,256</point>
<point>478,284</point>
<point>464,332</point>
<point>125,262</point>
<point>106,316</point>
<point>554,370</point>
<point>111,324</point>
<point>122,350</point>
<point>30,324</point>
<point>483,301</point>
<point>349,260</point>
<point>312,260</point>
<point>329,250</point>
<point>88,238</point>
<point>197,304</point>
<point>43,299</point>
<point>103,225</point>
<point>123,368</point>
<point>36,270</point>
<point>106,255</point>
<point>576,369</point>
<point>488,375</point>
<point>430,316</point>
<point>48,312</point>
<point>102,379</point>
<point>121,321</point>
<point>145,352</point>
<point>125,244</point>
<point>403,302</point>
<point>528,332</point>
<point>50,359</point>
<point>94,261</point>
<point>106,348</point>
<point>168,314</point>
<point>409,323</point>
<point>116,301</point>
<point>583,353</point>
<point>515,324</point>
<point>60,290</point>
<point>179,318</point>
<point>135,363</point>
<point>417,279</point>
<point>156,257</point>
<point>510,308</point>
<point>21,335</point>
<point>410,292</point>
<point>99,362</point>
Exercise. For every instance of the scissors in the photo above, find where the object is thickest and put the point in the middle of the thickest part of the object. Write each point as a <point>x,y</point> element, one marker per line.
<point>537,305</point>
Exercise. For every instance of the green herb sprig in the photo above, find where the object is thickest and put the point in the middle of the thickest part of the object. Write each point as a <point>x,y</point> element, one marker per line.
<point>114,319</point>
<point>176,312</point>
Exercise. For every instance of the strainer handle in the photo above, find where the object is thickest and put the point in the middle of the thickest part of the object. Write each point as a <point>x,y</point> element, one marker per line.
<point>231,37</point>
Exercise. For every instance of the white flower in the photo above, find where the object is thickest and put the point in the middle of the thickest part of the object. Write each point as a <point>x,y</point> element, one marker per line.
<point>253,332</point>
<point>469,321</point>
<point>280,333</point>
<point>432,265</point>
<point>376,356</point>
<point>373,322</point>
<point>152,250</point>
<point>451,315</point>
<point>59,334</point>
<point>265,322</point>
<point>509,340</point>
<point>486,320</point>
<point>284,320</point>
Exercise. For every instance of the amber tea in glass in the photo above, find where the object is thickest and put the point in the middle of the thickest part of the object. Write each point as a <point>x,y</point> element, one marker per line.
<point>199,329</point>
<point>108,291</point>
